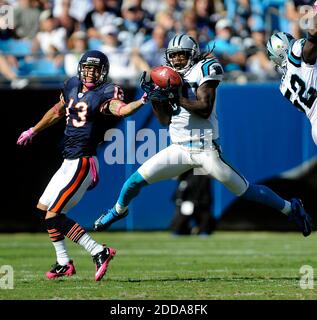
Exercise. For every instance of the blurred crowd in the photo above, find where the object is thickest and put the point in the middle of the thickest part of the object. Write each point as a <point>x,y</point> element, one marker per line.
<point>49,36</point>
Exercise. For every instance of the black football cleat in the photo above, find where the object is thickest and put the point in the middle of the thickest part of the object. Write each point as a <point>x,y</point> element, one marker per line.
<point>102,260</point>
<point>61,271</point>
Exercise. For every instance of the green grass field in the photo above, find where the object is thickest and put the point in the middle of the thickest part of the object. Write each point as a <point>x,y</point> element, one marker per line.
<point>156,265</point>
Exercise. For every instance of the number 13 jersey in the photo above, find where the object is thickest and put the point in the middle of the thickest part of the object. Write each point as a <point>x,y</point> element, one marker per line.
<point>299,84</point>
<point>85,117</point>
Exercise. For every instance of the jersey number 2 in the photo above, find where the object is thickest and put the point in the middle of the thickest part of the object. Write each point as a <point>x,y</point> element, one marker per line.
<point>299,87</point>
<point>81,108</point>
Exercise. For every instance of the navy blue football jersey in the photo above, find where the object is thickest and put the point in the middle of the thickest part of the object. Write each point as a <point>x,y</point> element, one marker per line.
<point>85,123</point>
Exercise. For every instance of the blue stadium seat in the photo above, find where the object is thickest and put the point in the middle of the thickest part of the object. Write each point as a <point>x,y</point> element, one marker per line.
<point>40,68</point>
<point>18,48</point>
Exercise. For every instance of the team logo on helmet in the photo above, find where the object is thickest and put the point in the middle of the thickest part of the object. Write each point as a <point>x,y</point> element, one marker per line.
<point>278,46</point>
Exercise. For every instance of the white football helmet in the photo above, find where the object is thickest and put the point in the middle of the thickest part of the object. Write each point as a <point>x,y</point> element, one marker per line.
<point>278,46</point>
<point>182,43</point>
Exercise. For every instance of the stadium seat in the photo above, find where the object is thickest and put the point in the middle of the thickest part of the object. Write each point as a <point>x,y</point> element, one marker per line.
<point>18,48</point>
<point>40,68</point>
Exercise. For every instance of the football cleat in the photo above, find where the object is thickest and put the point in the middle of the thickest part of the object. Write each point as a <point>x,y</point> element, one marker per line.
<point>107,219</point>
<point>60,271</point>
<point>300,217</point>
<point>102,260</point>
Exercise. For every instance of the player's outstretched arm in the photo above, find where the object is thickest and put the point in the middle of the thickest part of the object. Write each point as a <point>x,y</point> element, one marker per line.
<point>120,109</point>
<point>206,94</point>
<point>51,116</point>
<point>310,47</point>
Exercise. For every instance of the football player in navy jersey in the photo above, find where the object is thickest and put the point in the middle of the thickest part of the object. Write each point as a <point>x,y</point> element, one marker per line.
<point>85,100</point>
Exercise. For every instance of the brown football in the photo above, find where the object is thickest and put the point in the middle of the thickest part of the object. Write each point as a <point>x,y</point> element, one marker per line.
<point>163,75</point>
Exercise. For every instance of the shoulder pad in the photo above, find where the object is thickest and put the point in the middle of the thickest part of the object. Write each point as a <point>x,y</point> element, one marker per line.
<point>71,83</point>
<point>295,52</point>
<point>211,69</point>
<point>112,91</point>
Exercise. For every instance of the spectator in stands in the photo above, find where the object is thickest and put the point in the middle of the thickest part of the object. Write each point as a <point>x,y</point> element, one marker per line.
<point>189,27</point>
<point>26,20</point>
<point>153,50</point>
<point>188,21</point>
<point>42,5</point>
<point>114,6</point>
<point>174,8</point>
<point>66,21</point>
<point>246,16</point>
<point>7,72</point>
<point>258,64</point>
<point>98,18</point>
<point>50,35</point>
<point>230,54</point>
<point>122,70</point>
<point>206,17</point>
<point>165,20</point>
<point>78,8</point>
<point>77,45</point>
<point>134,25</point>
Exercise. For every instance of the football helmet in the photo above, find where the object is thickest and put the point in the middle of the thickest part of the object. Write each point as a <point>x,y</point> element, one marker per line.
<point>99,74</point>
<point>278,46</point>
<point>182,43</point>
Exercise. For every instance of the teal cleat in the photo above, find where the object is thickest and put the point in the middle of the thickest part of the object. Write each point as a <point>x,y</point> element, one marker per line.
<point>107,219</point>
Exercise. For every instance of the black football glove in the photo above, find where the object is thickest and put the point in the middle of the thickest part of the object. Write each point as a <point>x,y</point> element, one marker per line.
<point>146,86</point>
<point>155,92</point>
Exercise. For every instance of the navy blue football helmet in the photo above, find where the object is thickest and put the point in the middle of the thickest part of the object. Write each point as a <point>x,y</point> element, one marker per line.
<point>97,59</point>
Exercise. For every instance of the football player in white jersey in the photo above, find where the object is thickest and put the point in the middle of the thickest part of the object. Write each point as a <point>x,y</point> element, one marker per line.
<point>194,133</point>
<point>297,61</point>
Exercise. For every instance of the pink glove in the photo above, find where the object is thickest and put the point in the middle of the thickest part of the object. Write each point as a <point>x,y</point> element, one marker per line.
<point>26,137</point>
<point>144,98</point>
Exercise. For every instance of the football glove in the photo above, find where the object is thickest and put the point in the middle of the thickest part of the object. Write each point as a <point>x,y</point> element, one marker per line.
<point>156,93</point>
<point>26,137</point>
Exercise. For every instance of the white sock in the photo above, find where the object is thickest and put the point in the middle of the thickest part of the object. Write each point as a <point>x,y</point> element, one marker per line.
<point>61,252</point>
<point>287,208</point>
<point>90,244</point>
<point>120,209</point>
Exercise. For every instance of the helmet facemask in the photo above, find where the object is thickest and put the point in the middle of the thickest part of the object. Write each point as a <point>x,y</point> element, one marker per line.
<point>182,44</point>
<point>93,69</point>
<point>180,69</point>
<point>98,74</point>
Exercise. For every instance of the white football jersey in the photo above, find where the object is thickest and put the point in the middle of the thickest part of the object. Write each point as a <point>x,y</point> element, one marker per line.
<point>299,84</point>
<point>188,126</point>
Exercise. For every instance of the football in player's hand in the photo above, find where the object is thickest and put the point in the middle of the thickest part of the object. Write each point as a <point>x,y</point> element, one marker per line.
<point>164,76</point>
